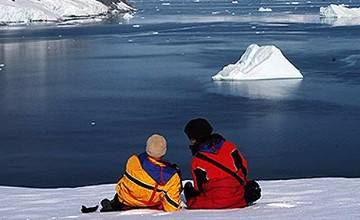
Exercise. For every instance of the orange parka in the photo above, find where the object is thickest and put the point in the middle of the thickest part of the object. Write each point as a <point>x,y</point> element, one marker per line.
<point>150,183</point>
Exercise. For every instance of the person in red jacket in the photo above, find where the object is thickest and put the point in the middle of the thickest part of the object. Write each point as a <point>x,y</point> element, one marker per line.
<point>218,169</point>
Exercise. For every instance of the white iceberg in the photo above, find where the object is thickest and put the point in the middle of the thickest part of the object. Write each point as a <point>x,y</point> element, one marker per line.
<point>262,9</point>
<point>317,198</point>
<point>128,16</point>
<point>339,11</point>
<point>258,63</point>
<point>24,11</point>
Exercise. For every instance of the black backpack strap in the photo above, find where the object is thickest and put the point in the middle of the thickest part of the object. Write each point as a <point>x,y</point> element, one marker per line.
<point>220,166</point>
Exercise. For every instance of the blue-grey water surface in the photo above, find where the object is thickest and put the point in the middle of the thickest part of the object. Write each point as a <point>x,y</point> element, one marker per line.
<point>77,100</point>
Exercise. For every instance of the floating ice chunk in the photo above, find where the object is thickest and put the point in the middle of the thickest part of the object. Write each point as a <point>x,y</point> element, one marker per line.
<point>262,9</point>
<point>136,26</point>
<point>128,16</point>
<point>257,63</point>
<point>235,2</point>
<point>165,3</point>
<point>339,11</point>
<point>2,65</point>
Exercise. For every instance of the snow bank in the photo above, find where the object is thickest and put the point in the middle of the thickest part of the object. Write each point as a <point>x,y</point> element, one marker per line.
<point>321,198</point>
<point>24,11</point>
<point>257,63</point>
<point>339,11</point>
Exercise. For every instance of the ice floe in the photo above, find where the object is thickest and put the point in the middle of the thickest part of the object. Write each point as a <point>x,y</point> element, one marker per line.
<point>339,11</point>
<point>259,63</point>
<point>262,9</point>
<point>128,16</point>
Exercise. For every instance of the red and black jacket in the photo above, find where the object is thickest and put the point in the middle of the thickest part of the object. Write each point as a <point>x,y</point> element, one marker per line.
<point>217,188</point>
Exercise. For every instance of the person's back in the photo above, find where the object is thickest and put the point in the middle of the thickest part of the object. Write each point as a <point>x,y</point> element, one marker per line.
<point>219,170</point>
<point>148,181</point>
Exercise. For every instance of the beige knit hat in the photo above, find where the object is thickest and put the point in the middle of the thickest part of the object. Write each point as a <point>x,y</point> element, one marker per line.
<point>156,146</point>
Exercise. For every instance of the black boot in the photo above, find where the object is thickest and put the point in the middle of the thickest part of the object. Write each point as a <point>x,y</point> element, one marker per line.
<point>85,209</point>
<point>106,206</point>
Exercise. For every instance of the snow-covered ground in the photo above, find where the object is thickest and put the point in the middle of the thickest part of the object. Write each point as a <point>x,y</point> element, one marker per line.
<point>318,198</point>
<point>258,63</point>
<point>25,11</point>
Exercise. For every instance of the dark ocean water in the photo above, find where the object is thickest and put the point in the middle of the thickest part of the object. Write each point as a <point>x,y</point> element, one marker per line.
<point>77,100</point>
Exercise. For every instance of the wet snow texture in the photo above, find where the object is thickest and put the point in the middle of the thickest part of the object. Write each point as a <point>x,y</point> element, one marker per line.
<point>320,198</point>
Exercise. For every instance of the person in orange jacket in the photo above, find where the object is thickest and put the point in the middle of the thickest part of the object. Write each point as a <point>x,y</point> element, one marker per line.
<point>148,181</point>
<point>218,169</point>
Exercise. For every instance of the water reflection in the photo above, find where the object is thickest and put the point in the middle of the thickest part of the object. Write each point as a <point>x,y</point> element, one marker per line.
<point>260,89</point>
<point>341,21</point>
<point>31,67</point>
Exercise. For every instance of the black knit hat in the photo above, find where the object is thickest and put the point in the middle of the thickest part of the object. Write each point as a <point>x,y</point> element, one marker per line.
<point>198,128</point>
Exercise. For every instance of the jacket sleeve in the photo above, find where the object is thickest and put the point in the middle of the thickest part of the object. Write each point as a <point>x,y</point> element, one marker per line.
<point>199,175</point>
<point>171,197</point>
<point>240,163</point>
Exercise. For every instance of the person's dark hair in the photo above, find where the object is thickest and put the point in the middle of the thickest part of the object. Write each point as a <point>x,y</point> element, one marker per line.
<point>198,129</point>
